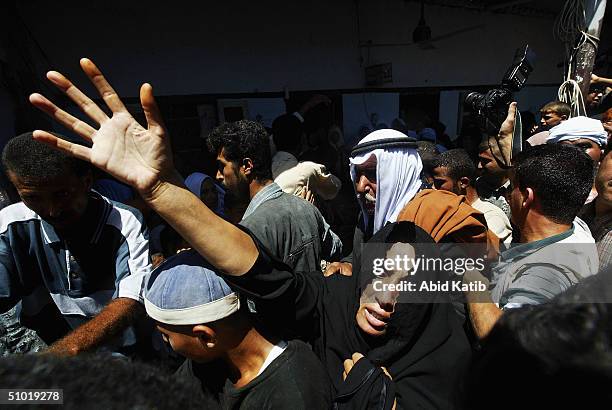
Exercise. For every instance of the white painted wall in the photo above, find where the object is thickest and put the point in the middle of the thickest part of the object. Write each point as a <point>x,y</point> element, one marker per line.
<point>188,47</point>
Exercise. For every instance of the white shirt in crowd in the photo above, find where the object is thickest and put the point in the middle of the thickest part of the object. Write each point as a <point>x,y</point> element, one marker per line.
<point>497,221</point>
<point>293,176</point>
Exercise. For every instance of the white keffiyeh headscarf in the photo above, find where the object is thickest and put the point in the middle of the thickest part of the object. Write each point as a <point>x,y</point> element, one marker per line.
<point>398,176</point>
<point>578,128</point>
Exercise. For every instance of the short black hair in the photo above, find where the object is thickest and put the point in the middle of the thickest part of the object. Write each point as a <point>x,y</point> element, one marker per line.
<point>244,139</point>
<point>560,175</point>
<point>428,152</point>
<point>287,132</point>
<point>92,381</point>
<point>427,148</point>
<point>34,160</point>
<point>458,163</point>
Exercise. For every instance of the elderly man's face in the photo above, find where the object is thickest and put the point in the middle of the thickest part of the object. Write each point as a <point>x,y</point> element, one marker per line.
<point>366,184</point>
<point>61,201</point>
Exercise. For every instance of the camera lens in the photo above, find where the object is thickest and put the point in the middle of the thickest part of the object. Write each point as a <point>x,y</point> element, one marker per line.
<point>474,101</point>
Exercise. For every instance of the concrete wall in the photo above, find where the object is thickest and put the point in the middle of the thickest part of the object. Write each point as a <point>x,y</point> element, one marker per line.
<point>244,47</point>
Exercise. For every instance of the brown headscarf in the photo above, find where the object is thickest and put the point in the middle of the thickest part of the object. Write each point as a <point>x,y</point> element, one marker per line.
<point>446,216</point>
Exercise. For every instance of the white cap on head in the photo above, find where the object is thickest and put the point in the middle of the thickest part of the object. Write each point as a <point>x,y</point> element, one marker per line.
<point>578,128</point>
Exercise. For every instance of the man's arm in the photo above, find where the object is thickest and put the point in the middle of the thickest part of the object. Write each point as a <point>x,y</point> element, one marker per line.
<point>112,320</point>
<point>536,284</point>
<point>232,251</point>
<point>291,300</point>
<point>483,317</point>
<point>482,311</point>
<point>142,158</point>
<point>595,79</point>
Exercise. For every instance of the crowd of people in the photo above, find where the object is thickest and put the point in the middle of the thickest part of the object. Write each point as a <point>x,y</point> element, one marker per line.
<point>234,290</point>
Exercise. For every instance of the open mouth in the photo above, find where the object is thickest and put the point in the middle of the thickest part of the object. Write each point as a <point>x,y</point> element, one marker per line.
<point>375,320</point>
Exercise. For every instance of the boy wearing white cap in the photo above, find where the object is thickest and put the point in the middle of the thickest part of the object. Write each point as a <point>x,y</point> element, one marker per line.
<point>201,318</point>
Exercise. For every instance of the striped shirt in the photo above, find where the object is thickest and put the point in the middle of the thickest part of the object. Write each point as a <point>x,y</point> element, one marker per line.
<point>105,258</point>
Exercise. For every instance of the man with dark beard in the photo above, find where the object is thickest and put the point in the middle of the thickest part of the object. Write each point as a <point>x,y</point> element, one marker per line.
<point>244,164</point>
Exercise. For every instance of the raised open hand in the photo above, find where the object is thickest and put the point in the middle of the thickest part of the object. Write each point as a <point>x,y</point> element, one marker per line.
<point>138,156</point>
<point>141,157</point>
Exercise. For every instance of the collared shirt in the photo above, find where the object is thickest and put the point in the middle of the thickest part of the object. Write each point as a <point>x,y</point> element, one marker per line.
<point>292,229</point>
<point>106,257</point>
<point>535,272</point>
<point>604,247</point>
<point>266,193</point>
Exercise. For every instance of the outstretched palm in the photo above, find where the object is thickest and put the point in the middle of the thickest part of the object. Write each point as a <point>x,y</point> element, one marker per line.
<point>121,146</point>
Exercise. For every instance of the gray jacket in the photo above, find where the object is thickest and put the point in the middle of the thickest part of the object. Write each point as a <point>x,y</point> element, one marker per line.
<point>292,229</point>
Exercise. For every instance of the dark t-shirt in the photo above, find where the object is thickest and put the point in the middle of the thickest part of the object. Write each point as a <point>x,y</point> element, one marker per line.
<point>294,380</point>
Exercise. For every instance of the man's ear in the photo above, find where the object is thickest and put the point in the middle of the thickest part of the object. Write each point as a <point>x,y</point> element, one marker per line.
<point>206,335</point>
<point>464,182</point>
<point>11,176</point>
<point>247,166</point>
<point>528,197</point>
